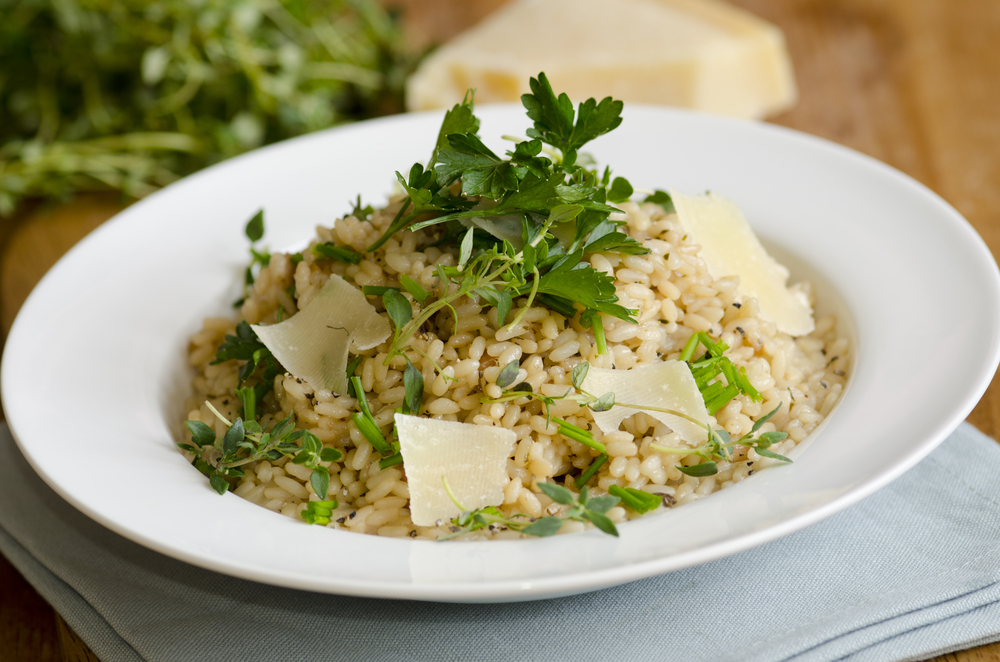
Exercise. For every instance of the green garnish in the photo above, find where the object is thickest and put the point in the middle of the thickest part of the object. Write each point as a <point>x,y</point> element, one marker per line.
<point>663,199</point>
<point>413,387</point>
<point>254,231</point>
<point>246,441</point>
<point>590,471</point>
<point>319,512</point>
<point>399,309</point>
<point>367,425</point>
<point>719,445</point>
<point>581,508</point>
<point>508,374</point>
<point>639,501</point>
<point>390,461</point>
<point>549,210</point>
<point>338,253</point>
<point>376,290</point>
<point>709,370</point>
<point>585,437</point>
<point>246,346</point>
<point>418,293</point>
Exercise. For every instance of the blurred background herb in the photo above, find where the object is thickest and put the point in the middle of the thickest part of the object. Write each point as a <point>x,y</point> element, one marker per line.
<point>130,95</point>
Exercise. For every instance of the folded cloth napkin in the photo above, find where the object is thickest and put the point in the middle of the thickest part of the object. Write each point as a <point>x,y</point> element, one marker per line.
<point>909,573</point>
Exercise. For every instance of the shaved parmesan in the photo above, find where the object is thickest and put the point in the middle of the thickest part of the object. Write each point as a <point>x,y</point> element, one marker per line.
<point>313,344</point>
<point>730,248</point>
<point>665,385</point>
<point>472,458</point>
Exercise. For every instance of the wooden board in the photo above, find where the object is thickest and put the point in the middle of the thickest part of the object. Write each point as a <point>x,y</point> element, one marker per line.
<point>913,83</point>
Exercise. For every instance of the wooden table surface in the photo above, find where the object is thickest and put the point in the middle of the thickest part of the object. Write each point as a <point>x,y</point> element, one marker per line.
<point>914,83</point>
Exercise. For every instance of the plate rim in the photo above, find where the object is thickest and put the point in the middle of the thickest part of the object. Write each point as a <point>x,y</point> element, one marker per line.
<point>552,587</point>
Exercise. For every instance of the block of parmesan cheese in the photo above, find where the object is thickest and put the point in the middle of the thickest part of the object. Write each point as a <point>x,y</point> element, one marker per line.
<point>730,248</point>
<point>472,458</point>
<point>700,54</point>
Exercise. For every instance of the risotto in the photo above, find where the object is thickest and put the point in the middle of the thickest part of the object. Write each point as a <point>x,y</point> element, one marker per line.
<point>486,363</point>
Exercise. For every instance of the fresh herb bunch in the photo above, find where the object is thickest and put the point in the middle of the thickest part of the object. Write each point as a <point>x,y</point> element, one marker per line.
<point>132,94</point>
<point>521,224</point>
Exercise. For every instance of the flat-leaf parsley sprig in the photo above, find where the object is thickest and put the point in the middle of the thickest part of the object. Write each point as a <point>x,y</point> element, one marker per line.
<point>521,224</point>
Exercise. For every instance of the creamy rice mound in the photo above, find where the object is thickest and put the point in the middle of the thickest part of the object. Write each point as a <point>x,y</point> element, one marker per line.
<point>676,297</point>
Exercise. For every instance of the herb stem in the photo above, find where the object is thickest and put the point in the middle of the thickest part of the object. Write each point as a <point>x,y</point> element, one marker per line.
<point>217,414</point>
<point>591,470</point>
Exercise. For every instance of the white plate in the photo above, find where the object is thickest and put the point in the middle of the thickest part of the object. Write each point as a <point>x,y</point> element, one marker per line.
<point>94,367</point>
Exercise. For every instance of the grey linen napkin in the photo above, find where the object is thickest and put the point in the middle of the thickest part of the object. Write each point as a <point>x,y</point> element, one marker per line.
<point>909,573</point>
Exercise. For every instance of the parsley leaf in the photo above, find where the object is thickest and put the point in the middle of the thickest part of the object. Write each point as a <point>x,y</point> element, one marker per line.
<point>553,117</point>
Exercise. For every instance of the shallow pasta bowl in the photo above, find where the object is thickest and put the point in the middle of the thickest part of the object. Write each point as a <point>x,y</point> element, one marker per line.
<point>94,370</point>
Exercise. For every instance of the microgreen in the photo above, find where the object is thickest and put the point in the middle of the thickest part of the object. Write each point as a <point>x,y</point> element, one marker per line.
<point>359,212</point>
<point>319,512</point>
<point>399,309</point>
<point>339,253</point>
<point>418,293</point>
<point>366,423</point>
<point>639,501</point>
<point>718,379</point>
<point>376,290</point>
<point>590,471</point>
<point>255,227</point>
<point>717,446</point>
<point>585,437</point>
<point>390,461</point>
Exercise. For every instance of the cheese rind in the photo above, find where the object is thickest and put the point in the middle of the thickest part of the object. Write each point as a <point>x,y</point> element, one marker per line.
<point>313,344</point>
<point>700,54</point>
<point>472,458</point>
<point>730,248</point>
<point>665,385</point>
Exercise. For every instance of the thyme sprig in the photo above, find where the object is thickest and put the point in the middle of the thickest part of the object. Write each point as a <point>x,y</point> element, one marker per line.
<point>581,507</point>
<point>719,447</point>
<point>246,441</point>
